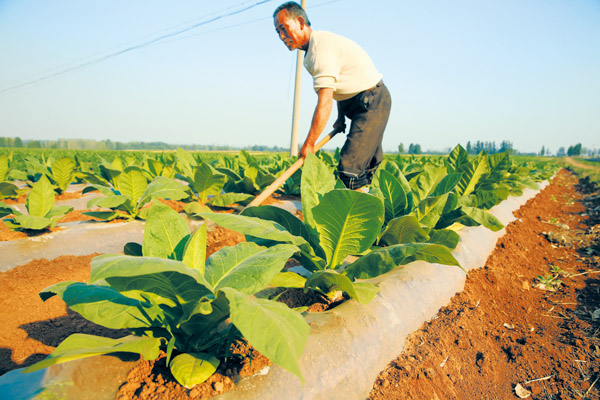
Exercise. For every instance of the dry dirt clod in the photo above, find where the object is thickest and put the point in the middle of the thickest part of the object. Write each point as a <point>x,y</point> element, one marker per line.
<point>522,392</point>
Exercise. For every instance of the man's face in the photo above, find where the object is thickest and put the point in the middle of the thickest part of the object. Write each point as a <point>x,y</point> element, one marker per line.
<point>290,30</point>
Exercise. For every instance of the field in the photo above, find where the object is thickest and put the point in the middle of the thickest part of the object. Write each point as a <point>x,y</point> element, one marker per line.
<point>215,295</point>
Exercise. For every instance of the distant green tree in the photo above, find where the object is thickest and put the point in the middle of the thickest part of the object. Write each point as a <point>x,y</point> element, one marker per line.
<point>401,148</point>
<point>469,149</point>
<point>18,142</point>
<point>543,151</point>
<point>506,146</point>
<point>414,148</point>
<point>574,150</point>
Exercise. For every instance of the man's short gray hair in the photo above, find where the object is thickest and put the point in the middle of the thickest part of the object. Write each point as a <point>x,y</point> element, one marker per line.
<point>294,9</point>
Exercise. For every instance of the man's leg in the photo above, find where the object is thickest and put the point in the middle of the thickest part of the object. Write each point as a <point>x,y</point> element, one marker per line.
<point>362,152</point>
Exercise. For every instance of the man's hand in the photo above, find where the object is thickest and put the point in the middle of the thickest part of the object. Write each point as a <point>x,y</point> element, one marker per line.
<point>306,148</point>
<point>340,124</point>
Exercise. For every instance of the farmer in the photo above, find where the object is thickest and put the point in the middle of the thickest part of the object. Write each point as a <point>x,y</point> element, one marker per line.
<point>344,72</point>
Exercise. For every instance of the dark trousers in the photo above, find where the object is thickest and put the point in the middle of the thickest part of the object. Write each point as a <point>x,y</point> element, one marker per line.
<point>362,152</point>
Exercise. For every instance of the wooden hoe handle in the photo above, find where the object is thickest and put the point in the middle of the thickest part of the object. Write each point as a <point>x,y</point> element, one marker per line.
<point>289,172</point>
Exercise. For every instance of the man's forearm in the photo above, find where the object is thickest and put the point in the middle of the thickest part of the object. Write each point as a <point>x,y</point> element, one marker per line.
<point>320,116</point>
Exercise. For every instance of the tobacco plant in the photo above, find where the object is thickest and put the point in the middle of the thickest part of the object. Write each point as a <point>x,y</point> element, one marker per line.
<point>170,298</point>
<point>337,223</point>
<point>41,212</point>
<point>131,193</point>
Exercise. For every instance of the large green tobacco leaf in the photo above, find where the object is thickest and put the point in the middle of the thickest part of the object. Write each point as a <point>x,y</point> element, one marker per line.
<point>226,199</point>
<point>33,222</point>
<point>163,188</point>
<point>3,167</point>
<point>286,219</point>
<point>102,305</point>
<point>392,168</point>
<point>271,328</point>
<point>185,162</point>
<point>164,231</point>
<point>245,160</point>
<point>447,184</point>
<point>40,199</point>
<point>105,190</point>
<point>348,223</point>
<point>263,179</point>
<point>207,181</point>
<point>194,253</point>
<point>155,167</point>
<point>111,175</point>
<point>63,172</point>
<point>191,369</point>
<point>472,173</point>
<point>111,201</point>
<point>405,229</point>
<point>59,211</point>
<point>258,228</point>
<point>80,345</point>
<point>132,184</point>
<point>499,164</point>
<point>457,158</point>
<point>386,259</point>
<point>5,210</point>
<point>394,195</point>
<point>326,281</point>
<point>116,265</point>
<point>317,180</point>
<point>471,216</point>
<point>444,237</point>
<point>105,215</point>
<point>8,190</point>
<point>288,280</point>
<point>425,183</point>
<point>431,209</point>
<point>246,267</point>
<point>178,291</point>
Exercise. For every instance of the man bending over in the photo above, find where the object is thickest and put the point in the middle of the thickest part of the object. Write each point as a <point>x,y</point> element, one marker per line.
<point>344,72</point>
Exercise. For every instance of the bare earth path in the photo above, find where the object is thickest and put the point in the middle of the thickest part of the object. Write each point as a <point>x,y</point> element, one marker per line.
<point>576,163</point>
<point>504,329</point>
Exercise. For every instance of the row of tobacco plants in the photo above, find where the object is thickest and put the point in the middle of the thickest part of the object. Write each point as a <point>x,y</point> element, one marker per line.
<point>172,298</point>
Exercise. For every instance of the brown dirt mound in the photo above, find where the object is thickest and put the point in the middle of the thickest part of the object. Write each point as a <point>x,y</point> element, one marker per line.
<point>504,329</point>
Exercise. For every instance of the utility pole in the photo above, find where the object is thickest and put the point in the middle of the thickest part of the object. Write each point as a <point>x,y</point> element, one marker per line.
<point>297,89</point>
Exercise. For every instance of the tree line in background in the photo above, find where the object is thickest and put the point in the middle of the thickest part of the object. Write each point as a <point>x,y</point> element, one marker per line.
<point>476,148</point>
<point>413,148</point>
<point>91,144</point>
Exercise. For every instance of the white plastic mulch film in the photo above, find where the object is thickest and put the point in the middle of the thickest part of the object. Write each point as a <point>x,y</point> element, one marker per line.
<point>349,344</point>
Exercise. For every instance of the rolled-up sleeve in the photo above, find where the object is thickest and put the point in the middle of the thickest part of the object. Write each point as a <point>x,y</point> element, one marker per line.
<point>326,66</point>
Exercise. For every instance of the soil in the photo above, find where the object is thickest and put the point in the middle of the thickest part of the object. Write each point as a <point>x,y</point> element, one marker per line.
<point>59,197</point>
<point>507,328</point>
<point>501,331</point>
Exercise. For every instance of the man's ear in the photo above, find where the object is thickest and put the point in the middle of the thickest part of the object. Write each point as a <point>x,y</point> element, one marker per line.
<point>301,22</point>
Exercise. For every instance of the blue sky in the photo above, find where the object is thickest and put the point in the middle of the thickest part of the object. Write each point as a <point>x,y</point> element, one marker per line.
<point>527,71</point>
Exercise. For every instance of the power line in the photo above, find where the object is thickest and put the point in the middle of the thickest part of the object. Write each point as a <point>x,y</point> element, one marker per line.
<point>67,70</point>
<point>238,24</point>
<point>130,42</point>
